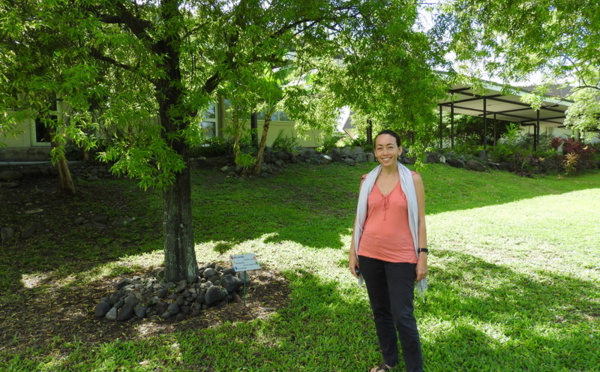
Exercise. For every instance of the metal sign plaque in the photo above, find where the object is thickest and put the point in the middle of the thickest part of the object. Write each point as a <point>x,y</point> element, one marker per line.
<point>244,262</point>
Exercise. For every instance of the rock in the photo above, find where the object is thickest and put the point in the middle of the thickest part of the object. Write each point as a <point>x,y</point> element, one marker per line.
<point>215,294</point>
<point>102,309</point>
<point>161,307</point>
<point>433,157</point>
<point>173,309</point>
<point>181,286</point>
<point>112,314</point>
<point>28,232</point>
<point>407,160</point>
<point>475,166</point>
<point>349,161</point>
<point>357,150</point>
<point>282,155</point>
<point>166,315</point>
<point>162,293</point>
<point>123,283</point>
<point>507,167</point>
<point>125,313</point>
<point>229,271</point>
<point>231,283</point>
<point>10,175</point>
<point>9,185</point>
<point>456,163</point>
<point>211,274</point>
<point>119,304</point>
<point>201,296</point>
<point>7,234</point>
<point>140,310</point>
<point>131,300</point>
<point>336,154</point>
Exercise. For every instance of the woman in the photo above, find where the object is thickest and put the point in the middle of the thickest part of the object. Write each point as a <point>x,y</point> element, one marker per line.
<point>389,250</point>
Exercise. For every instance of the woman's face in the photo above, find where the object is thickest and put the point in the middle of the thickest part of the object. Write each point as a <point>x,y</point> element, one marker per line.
<point>386,149</point>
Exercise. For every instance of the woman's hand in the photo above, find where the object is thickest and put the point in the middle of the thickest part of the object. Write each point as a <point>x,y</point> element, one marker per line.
<point>353,263</point>
<point>422,266</point>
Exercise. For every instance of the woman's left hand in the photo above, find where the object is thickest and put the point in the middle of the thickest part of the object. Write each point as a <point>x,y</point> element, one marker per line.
<point>422,267</point>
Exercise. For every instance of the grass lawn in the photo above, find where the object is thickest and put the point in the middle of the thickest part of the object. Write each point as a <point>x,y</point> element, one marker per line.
<point>514,276</point>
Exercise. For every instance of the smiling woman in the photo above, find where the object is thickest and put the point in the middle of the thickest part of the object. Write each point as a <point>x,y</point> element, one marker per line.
<point>389,250</point>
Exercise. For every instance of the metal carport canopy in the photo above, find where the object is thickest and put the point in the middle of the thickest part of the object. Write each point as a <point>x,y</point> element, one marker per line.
<point>501,102</point>
<point>493,102</point>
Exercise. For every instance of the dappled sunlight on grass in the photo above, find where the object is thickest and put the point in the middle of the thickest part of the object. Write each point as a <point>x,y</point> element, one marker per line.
<point>514,277</point>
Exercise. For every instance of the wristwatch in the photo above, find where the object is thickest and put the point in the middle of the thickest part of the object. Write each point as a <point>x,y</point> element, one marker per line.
<point>424,250</point>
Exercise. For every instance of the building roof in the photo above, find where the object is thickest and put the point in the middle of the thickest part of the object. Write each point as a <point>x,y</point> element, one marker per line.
<point>504,103</point>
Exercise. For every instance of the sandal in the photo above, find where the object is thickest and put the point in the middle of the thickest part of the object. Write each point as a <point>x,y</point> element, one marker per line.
<point>383,368</point>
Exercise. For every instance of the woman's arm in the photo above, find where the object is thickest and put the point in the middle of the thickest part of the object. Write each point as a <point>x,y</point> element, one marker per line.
<point>352,259</point>
<point>420,190</point>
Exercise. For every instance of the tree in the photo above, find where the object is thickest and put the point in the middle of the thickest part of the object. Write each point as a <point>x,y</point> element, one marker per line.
<point>23,54</point>
<point>515,39</point>
<point>142,71</point>
<point>388,80</point>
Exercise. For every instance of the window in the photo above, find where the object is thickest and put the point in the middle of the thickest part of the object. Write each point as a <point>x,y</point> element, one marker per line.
<point>209,122</point>
<point>40,132</point>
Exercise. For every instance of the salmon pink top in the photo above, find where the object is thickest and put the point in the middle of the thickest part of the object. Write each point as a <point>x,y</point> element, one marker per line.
<point>386,234</point>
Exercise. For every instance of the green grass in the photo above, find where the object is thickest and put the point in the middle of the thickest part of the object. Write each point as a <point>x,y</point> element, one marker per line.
<point>514,276</point>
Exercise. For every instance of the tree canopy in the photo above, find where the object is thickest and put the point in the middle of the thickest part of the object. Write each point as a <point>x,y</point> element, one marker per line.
<point>515,40</point>
<point>137,75</point>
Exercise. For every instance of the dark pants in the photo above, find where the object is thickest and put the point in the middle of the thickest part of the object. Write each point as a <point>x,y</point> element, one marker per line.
<point>391,292</point>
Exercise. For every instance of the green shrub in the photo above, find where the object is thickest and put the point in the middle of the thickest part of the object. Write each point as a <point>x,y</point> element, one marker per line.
<point>329,143</point>
<point>245,160</point>
<point>286,143</point>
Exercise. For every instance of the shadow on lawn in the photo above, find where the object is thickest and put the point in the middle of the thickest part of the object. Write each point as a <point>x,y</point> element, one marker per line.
<point>501,320</point>
<point>308,204</point>
<point>315,205</point>
<point>320,330</point>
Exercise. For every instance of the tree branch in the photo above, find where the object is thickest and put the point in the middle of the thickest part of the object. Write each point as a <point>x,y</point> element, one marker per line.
<point>101,57</point>
<point>587,86</point>
<point>139,27</point>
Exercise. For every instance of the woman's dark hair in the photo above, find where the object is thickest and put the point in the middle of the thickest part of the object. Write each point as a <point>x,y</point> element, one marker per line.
<point>391,133</point>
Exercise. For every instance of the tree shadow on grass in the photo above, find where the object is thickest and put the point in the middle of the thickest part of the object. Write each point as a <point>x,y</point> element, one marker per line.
<point>234,210</point>
<point>502,320</point>
<point>320,330</point>
<point>315,205</point>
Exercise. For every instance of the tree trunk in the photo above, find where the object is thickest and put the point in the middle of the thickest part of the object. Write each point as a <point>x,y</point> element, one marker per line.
<point>64,174</point>
<point>180,255</point>
<point>262,145</point>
